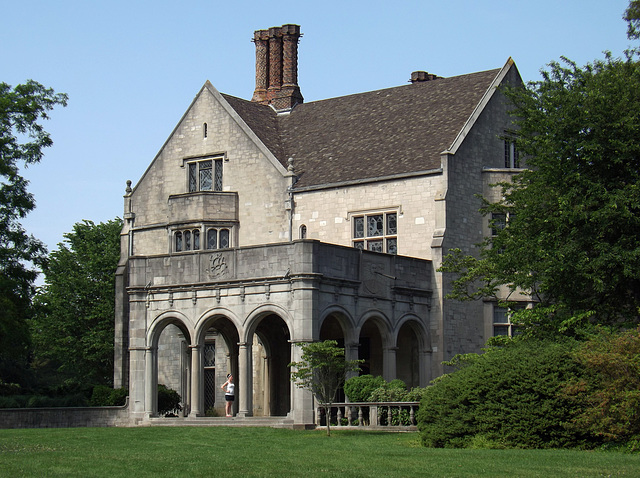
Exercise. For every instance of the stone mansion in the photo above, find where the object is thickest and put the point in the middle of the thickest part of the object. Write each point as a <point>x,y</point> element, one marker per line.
<point>268,223</point>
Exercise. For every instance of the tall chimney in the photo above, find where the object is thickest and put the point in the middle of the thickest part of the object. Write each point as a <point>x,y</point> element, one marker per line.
<point>277,67</point>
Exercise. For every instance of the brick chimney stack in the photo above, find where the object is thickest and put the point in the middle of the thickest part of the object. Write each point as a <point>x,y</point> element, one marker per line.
<point>420,76</point>
<point>277,67</point>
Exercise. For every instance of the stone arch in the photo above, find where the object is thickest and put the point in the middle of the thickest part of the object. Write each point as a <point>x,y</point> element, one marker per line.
<point>168,359</point>
<point>267,353</point>
<point>336,324</point>
<point>411,344</point>
<point>375,342</point>
<point>217,336</point>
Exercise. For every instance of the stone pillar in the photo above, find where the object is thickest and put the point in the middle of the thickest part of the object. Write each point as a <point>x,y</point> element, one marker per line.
<point>351,353</point>
<point>389,363</point>
<point>245,392</point>
<point>151,381</point>
<point>302,403</point>
<point>197,395</point>
<point>424,368</point>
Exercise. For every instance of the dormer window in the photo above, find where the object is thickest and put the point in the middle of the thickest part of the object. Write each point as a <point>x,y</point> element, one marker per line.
<point>205,175</point>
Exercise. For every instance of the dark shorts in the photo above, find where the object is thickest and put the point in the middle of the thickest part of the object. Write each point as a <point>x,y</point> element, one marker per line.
<point>229,398</point>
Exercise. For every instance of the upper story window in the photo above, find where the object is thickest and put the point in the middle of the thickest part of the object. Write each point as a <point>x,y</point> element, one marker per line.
<point>218,238</point>
<point>511,159</point>
<point>303,232</point>
<point>205,130</point>
<point>205,175</point>
<point>187,240</point>
<point>376,232</point>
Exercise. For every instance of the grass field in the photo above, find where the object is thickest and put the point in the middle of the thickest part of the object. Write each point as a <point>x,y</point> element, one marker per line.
<point>230,452</point>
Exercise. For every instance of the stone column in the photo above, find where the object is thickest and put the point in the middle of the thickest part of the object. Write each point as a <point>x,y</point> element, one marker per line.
<point>424,367</point>
<point>197,395</point>
<point>351,353</point>
<point>245,372</point>
<point>151,381</point>
<point>389,363</point>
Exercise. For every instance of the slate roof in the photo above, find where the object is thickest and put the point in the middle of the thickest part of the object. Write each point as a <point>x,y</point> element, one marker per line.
<point>368,135</point>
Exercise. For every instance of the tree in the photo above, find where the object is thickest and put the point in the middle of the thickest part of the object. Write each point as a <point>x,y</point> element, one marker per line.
<point>73,327</point>
<point>572,237</point>
<point>632,16</point>
<point>22,140</point>
<point>322,371</point>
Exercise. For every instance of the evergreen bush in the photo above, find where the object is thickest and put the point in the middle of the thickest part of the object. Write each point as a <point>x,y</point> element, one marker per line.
<point>508,397</point>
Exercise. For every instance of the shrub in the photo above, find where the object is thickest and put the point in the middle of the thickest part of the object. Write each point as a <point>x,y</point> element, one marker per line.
<point>358,389</point>
<point>609,394</point>
<point>508,397</point>
<point>168,401</point>
<point>104,396</point>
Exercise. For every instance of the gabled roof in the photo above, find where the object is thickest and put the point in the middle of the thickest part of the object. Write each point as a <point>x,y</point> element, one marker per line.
<point>370,135</point>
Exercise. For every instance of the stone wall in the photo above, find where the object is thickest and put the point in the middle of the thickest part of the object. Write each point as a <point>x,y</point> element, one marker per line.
<point>65,417</point>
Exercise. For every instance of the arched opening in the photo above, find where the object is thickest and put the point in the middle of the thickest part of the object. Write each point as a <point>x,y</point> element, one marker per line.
<point>172,364</point>
<point>219,345</point>
<point>331,329</point>
<point>370,349</point>
<point>271,376</point>
<point>408,355</point>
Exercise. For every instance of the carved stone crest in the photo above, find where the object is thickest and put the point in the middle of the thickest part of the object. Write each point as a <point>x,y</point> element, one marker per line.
<point>217,266</point>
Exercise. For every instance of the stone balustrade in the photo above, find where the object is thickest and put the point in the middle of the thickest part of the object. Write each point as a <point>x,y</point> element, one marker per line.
<point>371,415</point>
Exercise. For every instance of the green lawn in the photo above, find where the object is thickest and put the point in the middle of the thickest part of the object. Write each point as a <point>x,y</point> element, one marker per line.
<point>229,452</point>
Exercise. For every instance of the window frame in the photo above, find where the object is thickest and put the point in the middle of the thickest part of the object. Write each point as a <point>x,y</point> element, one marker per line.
<point>195,168</point>
<point>372,230</point>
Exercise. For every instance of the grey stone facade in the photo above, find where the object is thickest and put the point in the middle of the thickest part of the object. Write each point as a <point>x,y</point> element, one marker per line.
<point>243,238</point>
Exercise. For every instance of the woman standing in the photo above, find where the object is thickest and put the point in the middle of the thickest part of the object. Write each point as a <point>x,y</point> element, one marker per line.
<point>229,393</point>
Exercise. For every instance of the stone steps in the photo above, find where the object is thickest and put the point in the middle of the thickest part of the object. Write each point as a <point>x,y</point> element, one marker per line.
<point>273,422</point>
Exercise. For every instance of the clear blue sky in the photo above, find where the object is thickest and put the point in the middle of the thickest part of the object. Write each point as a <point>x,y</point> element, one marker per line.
<point>131,68</point>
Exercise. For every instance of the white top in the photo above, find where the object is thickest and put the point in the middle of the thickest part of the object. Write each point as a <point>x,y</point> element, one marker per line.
<point>231,387</point>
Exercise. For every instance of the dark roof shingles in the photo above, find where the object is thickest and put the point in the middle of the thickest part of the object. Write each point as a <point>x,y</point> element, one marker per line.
<point>369,135</point>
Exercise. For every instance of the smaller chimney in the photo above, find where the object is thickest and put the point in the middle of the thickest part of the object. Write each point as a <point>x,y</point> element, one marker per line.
<point>420,76</point>
<point>277,67</point>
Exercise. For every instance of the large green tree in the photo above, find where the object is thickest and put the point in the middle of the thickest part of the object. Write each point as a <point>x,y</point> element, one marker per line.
<point>73,326</point>
<point>572,237</point>
<point>22,141</point>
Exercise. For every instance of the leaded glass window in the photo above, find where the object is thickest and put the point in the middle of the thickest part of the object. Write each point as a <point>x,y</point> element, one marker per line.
<point>193,177</point>
<point>212,239</point>
<point>218,238</point>
<point>375,225</point>
<point>205,175</point>
<point>187,240</point>
<point>196,240</point>
<point>218,176</point>
<point>210,354</point>
<point>380,232</point>
<point>178,241</point>
<point>224,238</point>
